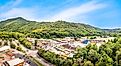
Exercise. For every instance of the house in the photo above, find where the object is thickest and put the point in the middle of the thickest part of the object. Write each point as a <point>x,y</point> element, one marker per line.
<point>86,42</point>
<point>14,62</point>
<point>4,48</point>
<point>42,42</point>
<point>69,38</point>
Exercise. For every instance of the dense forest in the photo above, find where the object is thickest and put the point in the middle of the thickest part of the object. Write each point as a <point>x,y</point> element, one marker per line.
<point>57,29</point>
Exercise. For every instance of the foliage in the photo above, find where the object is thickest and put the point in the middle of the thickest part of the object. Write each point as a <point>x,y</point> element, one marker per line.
<point>25,42</point>
<point>0,43</point>
<point>88,63</point>
<point>12,45</point>
<point>15,35</point>
<point>7,35</point>
<point>35,61</point>
<point>19,48</point>
<point>57,29</point>
<point>108,54</point>
<point>54,58</point>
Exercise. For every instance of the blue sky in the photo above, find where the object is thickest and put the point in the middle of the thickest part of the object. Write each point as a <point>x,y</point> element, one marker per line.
<point>99,13</point>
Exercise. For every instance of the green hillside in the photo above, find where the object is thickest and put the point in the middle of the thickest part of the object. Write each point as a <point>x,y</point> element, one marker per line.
<point>55,29</point>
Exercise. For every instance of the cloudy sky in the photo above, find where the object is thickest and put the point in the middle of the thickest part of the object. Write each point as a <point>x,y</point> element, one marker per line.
<point>99,13</point>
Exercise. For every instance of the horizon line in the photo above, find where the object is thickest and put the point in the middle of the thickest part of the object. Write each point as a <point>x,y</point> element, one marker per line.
<point>57,21</point>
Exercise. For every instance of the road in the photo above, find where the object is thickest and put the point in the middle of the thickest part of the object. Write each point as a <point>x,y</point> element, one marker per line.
<point>34,54</point>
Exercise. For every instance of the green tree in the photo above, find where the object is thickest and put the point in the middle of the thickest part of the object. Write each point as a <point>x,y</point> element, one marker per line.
<point>0,43</point>
<point>5,43</point>
<point>88,63</point>
<point>19,48</point>
<point>93,56</point>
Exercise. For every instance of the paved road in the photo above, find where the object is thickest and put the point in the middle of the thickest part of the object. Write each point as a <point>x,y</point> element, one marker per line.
<point>34,54</point>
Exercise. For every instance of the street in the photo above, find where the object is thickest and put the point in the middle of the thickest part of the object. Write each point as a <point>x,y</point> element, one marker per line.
<point>34,54</point>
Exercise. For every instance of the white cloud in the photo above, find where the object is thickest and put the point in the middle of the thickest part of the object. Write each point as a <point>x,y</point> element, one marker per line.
<point>17,2</point>
<point>28,13</point>
<point>80,10</point>
<point>9,10</point>
<point>10,4</point>
<point>32,13</point>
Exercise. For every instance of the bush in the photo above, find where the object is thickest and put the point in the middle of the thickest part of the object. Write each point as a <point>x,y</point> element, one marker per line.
<point>19,48</point>
<point>13,46</point>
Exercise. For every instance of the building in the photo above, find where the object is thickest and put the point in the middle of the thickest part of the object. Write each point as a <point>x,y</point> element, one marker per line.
<point>14,62</point>
<point>42,42</point>
<point>86,42</point>
<point>4,48</point>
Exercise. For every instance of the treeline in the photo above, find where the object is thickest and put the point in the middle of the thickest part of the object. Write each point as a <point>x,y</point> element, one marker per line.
<point>58,34</point>
<point>108,54</point>
<point>54,58</point>
<point>58,29</point>
<point>7,35</point>
<point>17,47</point>
<point>18,36</point>
<point>55,34</point>
<point>26,43</point>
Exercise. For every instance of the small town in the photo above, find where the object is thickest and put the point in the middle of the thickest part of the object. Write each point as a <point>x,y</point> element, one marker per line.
<point>65,47</point>
<point>60,32</point>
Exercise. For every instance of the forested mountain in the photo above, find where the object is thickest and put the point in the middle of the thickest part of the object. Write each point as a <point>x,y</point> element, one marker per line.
<point>62,28</point>
<point>117,30</point>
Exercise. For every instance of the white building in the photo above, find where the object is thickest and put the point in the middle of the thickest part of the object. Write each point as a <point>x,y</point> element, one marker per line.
<point>14,62</point>
<point>4,48</point>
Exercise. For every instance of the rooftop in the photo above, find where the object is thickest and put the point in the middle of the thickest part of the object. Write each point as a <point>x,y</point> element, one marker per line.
<point>4,48</point>
<point>15,61</point>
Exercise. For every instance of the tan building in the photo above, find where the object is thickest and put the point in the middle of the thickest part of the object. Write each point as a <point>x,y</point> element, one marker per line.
<point>14,62</point>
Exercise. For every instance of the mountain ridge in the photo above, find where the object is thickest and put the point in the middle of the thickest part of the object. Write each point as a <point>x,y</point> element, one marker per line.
<point>22,25</point>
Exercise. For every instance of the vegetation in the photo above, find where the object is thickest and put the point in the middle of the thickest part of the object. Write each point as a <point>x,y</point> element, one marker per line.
<point>13,46</point>
<point>35,61</point>
<point>19,48</point>
<point>108,54</point>
<point>55,59</point>
<point>0,44</point>
<point>25,42</point>
<point>8,35</point>
<point>57,29</point>
<point>15,35</point>
<point>105,55</point>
